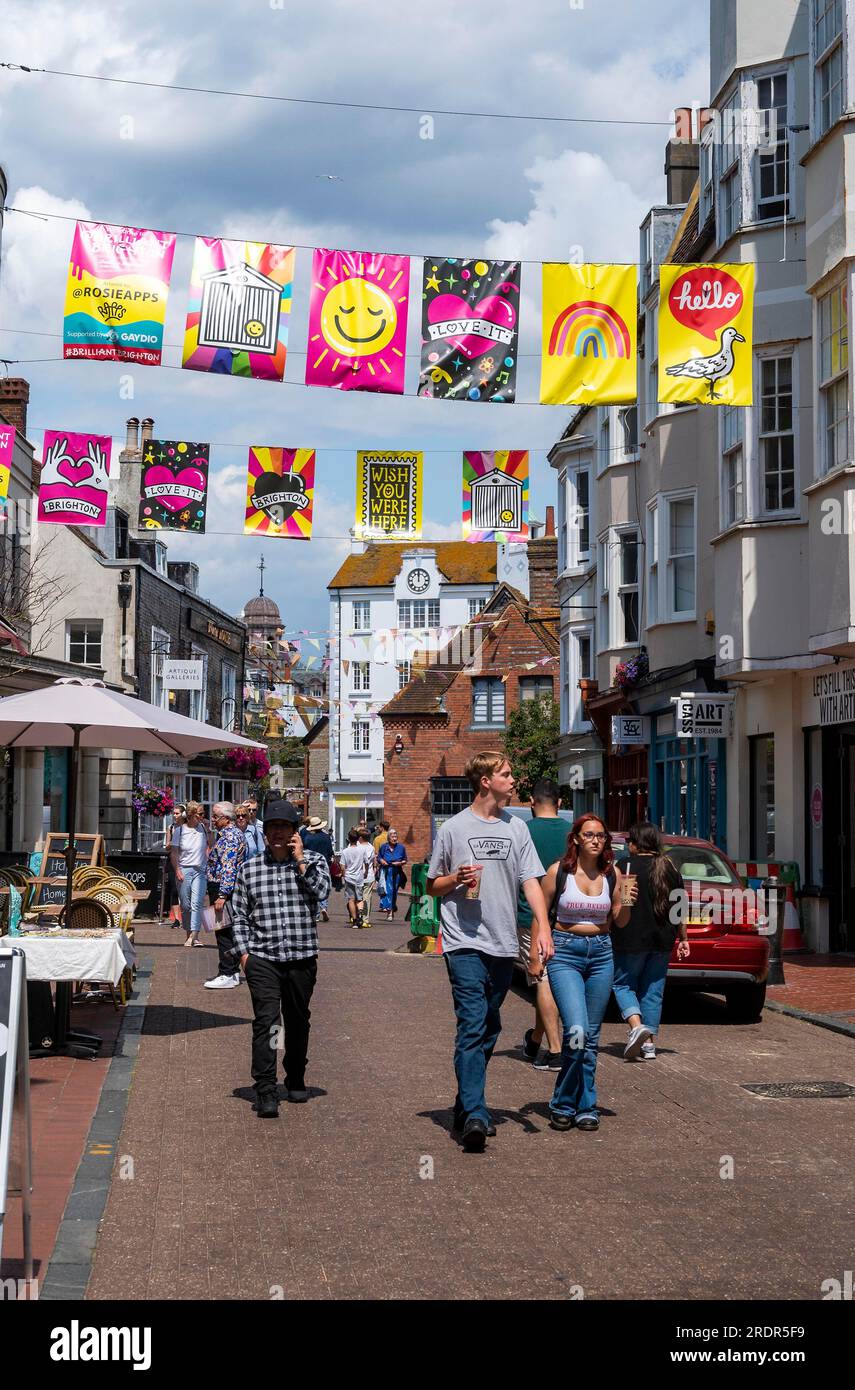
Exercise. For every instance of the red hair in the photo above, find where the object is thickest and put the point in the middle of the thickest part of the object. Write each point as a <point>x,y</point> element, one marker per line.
<point>571,857</point>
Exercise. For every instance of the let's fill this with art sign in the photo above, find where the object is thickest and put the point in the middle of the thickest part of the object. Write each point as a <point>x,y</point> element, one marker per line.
<point>389,494</point>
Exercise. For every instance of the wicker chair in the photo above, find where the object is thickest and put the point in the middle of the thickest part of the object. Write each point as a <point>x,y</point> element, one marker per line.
<point>87,914</point>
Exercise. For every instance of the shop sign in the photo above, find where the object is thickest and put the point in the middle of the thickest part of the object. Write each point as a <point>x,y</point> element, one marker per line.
<point>712,774</point>
<point>630,728</point>
<point>816,807</point>
<point>182,675</point>
<point>833,696</point>
<point>207,626</point>
<point>704,716</point>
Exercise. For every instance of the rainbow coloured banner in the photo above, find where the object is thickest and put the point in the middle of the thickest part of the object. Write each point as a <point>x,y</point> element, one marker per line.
<point>589,334</point>
<point>239,307</point>
<point>115,298</point>
<point>73,483</point>
<point>495,495</point>
<point>358,321</point>
<point>706,327</point>
<point>7,449</point>
<point>280,493</point>
<point>388,494</point>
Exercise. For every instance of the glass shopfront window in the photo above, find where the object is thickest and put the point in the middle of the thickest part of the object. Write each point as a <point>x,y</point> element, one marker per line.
<point>687,789</point>
<point>55,800</point>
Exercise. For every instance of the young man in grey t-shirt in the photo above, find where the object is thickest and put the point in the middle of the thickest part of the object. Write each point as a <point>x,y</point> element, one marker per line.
<point>485,852</point>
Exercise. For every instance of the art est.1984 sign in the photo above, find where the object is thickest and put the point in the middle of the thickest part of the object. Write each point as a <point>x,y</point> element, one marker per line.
<point>704,716</point>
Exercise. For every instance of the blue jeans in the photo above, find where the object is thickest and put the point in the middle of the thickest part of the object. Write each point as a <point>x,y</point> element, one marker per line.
<point>191,894</point>
<point>640,984</point>
<point>479,984</point>
<point>580,976</point>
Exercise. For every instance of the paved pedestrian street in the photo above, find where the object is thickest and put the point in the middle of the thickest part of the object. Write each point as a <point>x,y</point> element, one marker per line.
<point>364,1193</point>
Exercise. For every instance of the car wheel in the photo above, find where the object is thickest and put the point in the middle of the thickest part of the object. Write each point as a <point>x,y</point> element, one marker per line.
<point>745,1002</point>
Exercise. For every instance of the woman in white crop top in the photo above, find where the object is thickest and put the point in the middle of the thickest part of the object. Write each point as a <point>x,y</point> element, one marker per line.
<point>582,908</point>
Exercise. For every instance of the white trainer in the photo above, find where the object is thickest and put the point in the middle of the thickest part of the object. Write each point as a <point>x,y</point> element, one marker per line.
<point>638,1036</point>
<point>223,982</point>
<point>648,1052</point>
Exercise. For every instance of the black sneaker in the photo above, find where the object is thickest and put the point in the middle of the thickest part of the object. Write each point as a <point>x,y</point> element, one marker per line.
<point>530,1049</point>
<point>474,1135</point>
<point>548,1061</point>
<point>459,1121</point>
<point>267,1106</point>
<point>298,1095</point>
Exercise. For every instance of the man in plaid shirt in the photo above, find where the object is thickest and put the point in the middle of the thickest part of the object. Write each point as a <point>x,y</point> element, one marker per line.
<point>274,907</point>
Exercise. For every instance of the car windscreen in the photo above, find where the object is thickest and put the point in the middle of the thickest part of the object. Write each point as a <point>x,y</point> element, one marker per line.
<point>700,865</point>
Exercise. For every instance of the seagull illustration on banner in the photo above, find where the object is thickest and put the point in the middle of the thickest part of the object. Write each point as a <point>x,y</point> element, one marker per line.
<point>711,369</point>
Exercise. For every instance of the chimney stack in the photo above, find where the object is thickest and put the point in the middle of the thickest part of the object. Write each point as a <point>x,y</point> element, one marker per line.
<point>543,568</point>
<point>132,437</point>
<point>550,522</point>
<point>14,399</point>
<point>682,164</point>
<point>146,431</point>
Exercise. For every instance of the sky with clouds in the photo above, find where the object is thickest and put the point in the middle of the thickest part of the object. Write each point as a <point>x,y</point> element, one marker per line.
<point>218,165</point>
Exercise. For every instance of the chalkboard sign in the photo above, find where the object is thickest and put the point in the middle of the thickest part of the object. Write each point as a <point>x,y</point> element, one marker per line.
<point>144,872</point>
<point>89,849</point>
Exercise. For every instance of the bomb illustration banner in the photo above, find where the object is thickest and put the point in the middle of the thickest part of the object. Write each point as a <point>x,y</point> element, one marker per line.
<point>280,493</point>
<point>358,321</point>
<point>115,298</point>
<point>470,320</point>
<point>495,495</point>
<point>706,316</point>
<point>389,494</point>
<point>239,308</point>
<point>7,450</point>
<point>174,487</point>
<point>73,486</point>
<point>589,334</point>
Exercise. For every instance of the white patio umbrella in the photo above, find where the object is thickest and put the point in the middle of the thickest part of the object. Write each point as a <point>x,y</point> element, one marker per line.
<point>77,713</point>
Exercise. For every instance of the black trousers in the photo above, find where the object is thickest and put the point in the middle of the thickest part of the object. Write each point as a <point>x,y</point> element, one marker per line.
<point>229,963</point>
<point>280,987</point>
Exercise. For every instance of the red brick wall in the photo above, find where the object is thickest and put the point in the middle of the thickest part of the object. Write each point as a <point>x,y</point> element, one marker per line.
<point>440,745</point>
<point>543,572</point>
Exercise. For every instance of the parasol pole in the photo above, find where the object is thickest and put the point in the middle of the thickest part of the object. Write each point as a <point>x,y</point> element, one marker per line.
<point>70,853</point>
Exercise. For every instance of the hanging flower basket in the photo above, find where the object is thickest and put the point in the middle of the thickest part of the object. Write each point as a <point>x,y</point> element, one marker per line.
<point>152,801</point>
<point>629,673</point>
<point>251,763</point>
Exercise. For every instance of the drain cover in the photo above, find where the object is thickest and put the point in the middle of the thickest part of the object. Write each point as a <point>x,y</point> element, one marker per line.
<point>802,1090</point>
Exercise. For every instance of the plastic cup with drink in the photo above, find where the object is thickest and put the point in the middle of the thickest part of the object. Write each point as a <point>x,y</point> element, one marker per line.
<point>627,889</point>
<point>473,886</point>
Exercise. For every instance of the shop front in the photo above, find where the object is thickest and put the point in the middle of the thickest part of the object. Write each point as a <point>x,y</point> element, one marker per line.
<point>348,809</point>
<point>828,723</point>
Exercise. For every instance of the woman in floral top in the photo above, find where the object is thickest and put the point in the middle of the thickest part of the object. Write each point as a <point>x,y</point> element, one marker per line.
<point>224,859</point>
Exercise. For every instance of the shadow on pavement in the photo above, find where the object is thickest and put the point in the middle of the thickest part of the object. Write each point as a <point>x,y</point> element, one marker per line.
<point>248,1093</point>
<point>167,1020</point>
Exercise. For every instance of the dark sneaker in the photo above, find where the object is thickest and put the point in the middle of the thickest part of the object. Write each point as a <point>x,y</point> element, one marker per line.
<point>548,1061</point>
<point>474,1135</point>
<point>298,1095</point>
<point>559,1121</point>
<point>267,1107</point>
<point>459,1121</point>
<point>530,1049</point>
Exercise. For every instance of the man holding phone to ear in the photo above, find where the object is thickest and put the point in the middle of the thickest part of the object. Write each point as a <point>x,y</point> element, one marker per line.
<point>275,906</point>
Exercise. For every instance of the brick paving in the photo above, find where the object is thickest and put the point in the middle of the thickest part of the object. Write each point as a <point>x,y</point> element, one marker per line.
<point>328,1201</point>
<point>819,984</point>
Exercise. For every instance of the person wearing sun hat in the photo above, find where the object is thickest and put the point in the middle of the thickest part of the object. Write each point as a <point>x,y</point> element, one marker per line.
<point>316,838</point>
<point>275,907</point>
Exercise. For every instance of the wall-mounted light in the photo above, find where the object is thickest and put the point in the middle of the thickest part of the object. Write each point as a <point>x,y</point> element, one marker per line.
<point>399,745</point>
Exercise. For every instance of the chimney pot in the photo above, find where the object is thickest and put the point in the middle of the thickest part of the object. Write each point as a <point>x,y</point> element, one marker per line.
<point>132,437</point>
<point>14,399</point>
<point>146,431</point>
<point>550,521</point>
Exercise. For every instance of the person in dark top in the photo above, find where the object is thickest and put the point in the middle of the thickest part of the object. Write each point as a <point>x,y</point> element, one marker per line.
<point>316,838</point>
<point>643,949</point>
<point>541,1044</point>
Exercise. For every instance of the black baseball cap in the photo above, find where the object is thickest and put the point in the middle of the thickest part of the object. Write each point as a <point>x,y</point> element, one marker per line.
<point>281,810</point>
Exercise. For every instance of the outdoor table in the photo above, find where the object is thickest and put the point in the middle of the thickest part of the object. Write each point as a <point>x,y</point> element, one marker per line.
<point>66,956</point>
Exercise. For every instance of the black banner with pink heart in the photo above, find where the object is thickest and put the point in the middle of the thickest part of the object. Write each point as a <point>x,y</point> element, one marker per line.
<point>470,319</point>
<point>174,485</point>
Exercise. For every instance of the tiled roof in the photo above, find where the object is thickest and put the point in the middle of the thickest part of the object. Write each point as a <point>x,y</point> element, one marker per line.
<point>379,564</point>
<point>421,695</point>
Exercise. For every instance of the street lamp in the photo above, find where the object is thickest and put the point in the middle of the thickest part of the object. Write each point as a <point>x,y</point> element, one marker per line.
<point>399,745</point>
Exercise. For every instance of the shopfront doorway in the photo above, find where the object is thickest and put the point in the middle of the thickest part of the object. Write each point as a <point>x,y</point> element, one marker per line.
<point>830,827</point>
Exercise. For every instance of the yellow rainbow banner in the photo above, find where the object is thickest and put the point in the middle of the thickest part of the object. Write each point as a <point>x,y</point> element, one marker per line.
<point>706,319</point>
<point>589,334</point>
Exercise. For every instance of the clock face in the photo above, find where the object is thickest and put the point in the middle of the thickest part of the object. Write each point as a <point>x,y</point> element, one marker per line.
<point>418,581</point>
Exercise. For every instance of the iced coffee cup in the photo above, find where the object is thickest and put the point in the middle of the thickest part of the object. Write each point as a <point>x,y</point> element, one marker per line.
<point>627,887</point>
<point>473,890</point>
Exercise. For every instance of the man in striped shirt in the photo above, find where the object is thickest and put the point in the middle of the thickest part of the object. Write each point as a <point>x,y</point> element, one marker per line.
<point>275,906</point>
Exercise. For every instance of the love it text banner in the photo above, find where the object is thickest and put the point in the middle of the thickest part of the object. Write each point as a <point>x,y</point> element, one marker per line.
<point>73,486</point>
<point>7,449</point>
<point>174,488</point>
<point>239,308</point>
<point>115,299</point>
<point>358,321</point>
<point>495,495</point>
<point>706,319</point>
<point>470,321</point>
<point>589,334</point>
<point>280,493</point>
<point>389,495</point>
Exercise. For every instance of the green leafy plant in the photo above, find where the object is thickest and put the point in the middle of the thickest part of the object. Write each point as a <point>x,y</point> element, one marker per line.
<point>532,733</point>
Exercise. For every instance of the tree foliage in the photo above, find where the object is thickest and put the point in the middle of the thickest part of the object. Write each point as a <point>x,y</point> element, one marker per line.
<point>532,733</point>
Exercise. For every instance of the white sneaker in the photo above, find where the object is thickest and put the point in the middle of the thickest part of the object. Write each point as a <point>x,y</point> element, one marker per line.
<point>223,982</point>
<point>648,1052</point>
<point>638,1036</point>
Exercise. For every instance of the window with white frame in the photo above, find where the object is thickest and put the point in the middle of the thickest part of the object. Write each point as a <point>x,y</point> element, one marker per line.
<point>360,672</point>
<point>362,736</point>
<point>536,688</point>
<point>603,567</point>
<point>160,557</point>
<point>834,378</point>
<point>405,671</point>
<point>579,516</point>
<point>707,174</point>
<point>228,693</point>
<point>732,465</point>
<point>418,613</point>
<point>159,650</point>
<point>605,451</point>
<point>651,335</point>
<point>562,522</point>
<point>198,704</point>
<point>730,129</point>
<point>83,642</point>
<point>488,700</point>
<point>626,577</point>
<point>362,615</point>
<point>652,564</point>
<point>628,420</point>
<point>646,259</point>
<point>476,606</point>
<point>773,162</point>
<point>828,64</point>
<point>565,683</point>
<point>583,642</point>
<point>731,203</point>
<point>680,560</point>
<point>777,441</point>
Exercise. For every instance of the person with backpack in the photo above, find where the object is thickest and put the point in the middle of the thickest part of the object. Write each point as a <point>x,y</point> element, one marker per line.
<point>583,898</point>
<point>643,949</point>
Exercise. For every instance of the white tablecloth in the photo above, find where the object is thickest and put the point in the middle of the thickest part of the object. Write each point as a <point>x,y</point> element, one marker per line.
<point>75,957</point>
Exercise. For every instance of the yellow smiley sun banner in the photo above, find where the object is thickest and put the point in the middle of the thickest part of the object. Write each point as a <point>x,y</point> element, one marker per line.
<point>589,334</point>
<point>706,317</point>
<point>358,321</point>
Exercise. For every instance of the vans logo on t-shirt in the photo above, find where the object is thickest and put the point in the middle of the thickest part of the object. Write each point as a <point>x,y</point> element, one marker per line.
<point>490,847</point>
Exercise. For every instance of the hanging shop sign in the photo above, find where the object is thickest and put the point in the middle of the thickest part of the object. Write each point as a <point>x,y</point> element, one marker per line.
<point>830,698</point>
<point>704,716</point>
<point>630,728</point>
<point>182,675</point>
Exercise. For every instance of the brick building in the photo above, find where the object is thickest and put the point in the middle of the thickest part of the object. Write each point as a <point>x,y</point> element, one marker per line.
<point>459,706</point>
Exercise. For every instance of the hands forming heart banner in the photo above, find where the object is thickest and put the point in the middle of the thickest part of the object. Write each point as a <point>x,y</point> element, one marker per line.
<point>240,300</point>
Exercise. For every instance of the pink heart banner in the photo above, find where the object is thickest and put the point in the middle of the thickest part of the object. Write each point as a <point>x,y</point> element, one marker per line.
<point>174,485</point>
<point>73,485</point>
<point>470,322</point>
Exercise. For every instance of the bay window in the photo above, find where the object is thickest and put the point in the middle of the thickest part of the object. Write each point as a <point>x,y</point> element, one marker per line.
<point>777,441</point>
<point>833,378</point>
<point>732,465</point>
